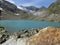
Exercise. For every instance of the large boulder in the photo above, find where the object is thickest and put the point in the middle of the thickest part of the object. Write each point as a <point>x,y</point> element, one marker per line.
<point>47,36</point>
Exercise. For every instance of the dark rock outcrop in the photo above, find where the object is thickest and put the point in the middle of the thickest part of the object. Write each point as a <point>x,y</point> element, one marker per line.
<point>4,35</point>
<point>8,6</point>
<point>26,33</point>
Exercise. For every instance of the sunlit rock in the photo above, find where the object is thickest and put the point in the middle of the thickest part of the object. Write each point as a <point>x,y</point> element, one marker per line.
<point>47,36</point>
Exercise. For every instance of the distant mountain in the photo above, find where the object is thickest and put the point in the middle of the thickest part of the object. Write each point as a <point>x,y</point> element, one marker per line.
<point>33,8</point>
<point>52,13</point>
<point>42,8</point>
<point>12,12</point>
<point>29,9</point>
<point>41,12</point>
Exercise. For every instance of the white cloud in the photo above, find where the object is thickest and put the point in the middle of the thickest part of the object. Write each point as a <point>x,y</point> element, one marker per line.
<point>11,1</point>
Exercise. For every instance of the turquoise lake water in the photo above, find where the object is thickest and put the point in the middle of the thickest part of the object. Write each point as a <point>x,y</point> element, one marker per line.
<point>16,25</point>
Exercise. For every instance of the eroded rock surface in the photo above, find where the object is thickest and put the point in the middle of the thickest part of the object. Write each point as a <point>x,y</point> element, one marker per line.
<point>46,36</point>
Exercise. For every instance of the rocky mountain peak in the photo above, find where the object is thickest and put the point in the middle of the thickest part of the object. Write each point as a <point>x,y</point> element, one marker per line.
<point>42,8</point>
<point>33,8</point>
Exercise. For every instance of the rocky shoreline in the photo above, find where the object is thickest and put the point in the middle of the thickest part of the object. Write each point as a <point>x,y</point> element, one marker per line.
<point>26,33</point>
<point>4,34</point>
<point>32,37</point>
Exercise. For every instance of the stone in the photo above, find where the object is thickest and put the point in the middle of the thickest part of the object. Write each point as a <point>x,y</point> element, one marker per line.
<point>46,36</point>
<point>3,35</point>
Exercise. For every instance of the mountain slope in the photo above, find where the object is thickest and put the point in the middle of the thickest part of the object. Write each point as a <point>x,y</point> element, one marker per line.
<point>11,12</point>
<point>55,7</point>
<point>8,6</point>
<point>52,13</point>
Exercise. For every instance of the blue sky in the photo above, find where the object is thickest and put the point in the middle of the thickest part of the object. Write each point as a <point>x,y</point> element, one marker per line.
<point>37,3</point>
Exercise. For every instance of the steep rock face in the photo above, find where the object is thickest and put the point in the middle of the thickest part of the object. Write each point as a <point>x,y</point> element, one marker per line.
<point>47,36</point>
<point>8,6</point>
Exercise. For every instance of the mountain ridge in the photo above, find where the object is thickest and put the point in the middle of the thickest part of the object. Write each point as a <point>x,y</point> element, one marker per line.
<point>30,12</point>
